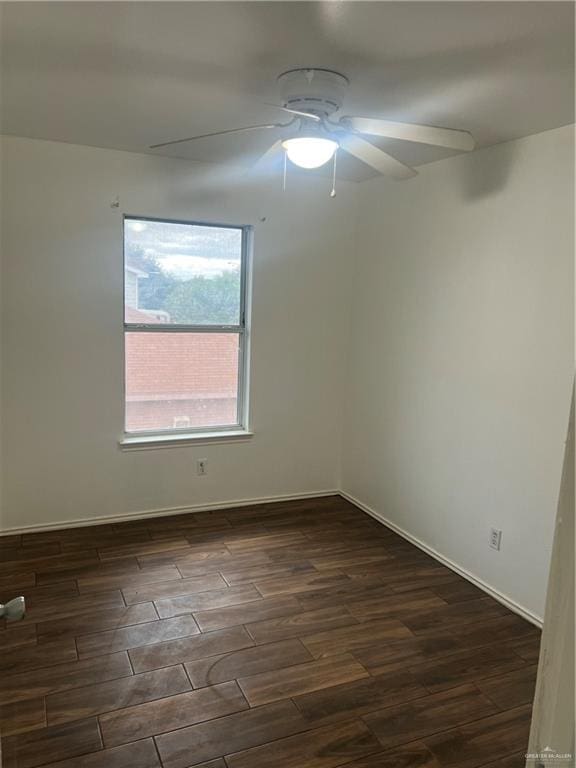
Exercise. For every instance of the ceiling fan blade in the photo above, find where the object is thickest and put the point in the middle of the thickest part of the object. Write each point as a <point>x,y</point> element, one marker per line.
<point>219,133</point>
<point>294,111</point>
<point>375,157</point>
<point>422,134</point>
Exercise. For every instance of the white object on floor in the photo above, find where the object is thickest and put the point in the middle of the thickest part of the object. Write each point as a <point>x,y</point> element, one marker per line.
<point>14,609</point>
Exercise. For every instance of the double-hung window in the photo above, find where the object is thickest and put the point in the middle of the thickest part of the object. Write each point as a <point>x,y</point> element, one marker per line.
<point>184,328</point>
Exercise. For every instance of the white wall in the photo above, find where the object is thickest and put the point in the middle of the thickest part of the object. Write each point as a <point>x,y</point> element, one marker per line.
<point>62,341</point>
<point>461,356</point>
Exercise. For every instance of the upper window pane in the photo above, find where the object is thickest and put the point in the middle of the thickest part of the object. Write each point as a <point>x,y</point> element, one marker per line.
<point>181,273</point>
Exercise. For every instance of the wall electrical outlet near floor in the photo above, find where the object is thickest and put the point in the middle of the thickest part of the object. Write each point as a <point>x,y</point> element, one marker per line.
<point>201,467</point>
<point>495,538</point>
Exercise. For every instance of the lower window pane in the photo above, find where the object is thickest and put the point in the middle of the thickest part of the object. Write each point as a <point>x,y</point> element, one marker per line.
<point>181,380</point>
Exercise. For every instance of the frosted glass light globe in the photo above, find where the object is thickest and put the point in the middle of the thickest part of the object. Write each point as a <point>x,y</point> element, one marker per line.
<point>310,152</point>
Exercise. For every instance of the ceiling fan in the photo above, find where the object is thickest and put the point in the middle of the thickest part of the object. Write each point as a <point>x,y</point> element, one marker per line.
<point>312,137</point>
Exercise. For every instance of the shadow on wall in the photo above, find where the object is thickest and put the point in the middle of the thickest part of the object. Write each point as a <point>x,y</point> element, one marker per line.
<point>481,179</point>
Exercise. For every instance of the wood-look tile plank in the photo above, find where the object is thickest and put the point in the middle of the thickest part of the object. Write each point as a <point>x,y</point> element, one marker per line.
<point>135,636</point>
<point>512,689</point>
<point>466,666</point>
<point>224,531</point>
<point>246,613</point>
<point>97,582</point>
<point>204,554</point>
<point>196,534</point>
<point>100,540</point>
<point>305,583</point>
<point>312,549</point>
<point>248,661</point>
<point>189,648</point>
<point>63,607</point>
<point>413,755</point>
<point>18,581</point>
<point>21,716</point>
<point>527,647</point>
<point>206,741</point>
<point>356,637</point>
<point>46,745</point>
<point>122,567</point>
<point>457,591</point>
<point>115,694</point>
<point>408,556</point>
<point>144,548</point>
<point>500,629</point>
<point>329,528</point>
<point>216,523</point>
<point>396,606</point>
<point>169,714</point>
<point>328,747</point>
<point>369,554</point>
<point>16,635</point>
<point>346,593</point>
<point>416,719</point>
<point>306,522</point>
<point>268,687</point>
<point>22,554</point>
<point>265,571</point>
<point>140,754</point>
<point>456,615</point>
<point>207,518</point>
<point>472,745</point>
<point>98,621</point>
<point>162,590</point>
<point>397,572</point>
<point>219,534</point>
<point>266,541</point>
<point>358,698</point>
<point>39,595</point>
<point>422,578</point>
<point>213,764</point>
<point>35,657</point>
<point>213,562</point>
<point>63,677</point>
<point>198,562</point>
<point>204,601</point>
<point>55,562</point>
<point>300,624</point>
<point>380,658</point>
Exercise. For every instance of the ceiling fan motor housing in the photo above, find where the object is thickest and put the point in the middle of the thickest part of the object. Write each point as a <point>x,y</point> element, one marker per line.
<point>317,91</point>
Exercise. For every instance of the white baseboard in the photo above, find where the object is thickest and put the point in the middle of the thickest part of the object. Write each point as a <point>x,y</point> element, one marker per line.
<point>492,591</point>
<point>163,512</point>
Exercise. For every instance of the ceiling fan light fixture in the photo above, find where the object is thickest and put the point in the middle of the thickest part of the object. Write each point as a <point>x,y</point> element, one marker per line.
<point>310,151</point>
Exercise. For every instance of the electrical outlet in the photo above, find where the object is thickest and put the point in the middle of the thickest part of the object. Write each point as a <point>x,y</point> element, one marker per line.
<point>495,538</point>
<point>201,467</point>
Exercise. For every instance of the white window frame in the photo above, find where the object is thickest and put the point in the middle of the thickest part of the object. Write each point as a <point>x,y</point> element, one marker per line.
<point>145,439</point>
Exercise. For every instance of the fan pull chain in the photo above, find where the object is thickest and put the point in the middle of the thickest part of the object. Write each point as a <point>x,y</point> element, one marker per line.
<point>284,174</point>
<point>333,192</point>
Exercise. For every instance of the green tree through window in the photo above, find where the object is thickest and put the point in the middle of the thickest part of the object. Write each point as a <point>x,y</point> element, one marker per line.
<point>199,300</point>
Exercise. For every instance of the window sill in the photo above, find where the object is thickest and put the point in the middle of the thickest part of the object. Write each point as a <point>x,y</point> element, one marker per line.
<point>152,442</point>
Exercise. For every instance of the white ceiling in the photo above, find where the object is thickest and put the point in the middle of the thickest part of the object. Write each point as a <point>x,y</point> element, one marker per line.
<point>126,75</point>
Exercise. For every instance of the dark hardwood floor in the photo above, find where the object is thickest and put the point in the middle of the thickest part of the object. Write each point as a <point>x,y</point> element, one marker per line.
<point>291,635</point>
